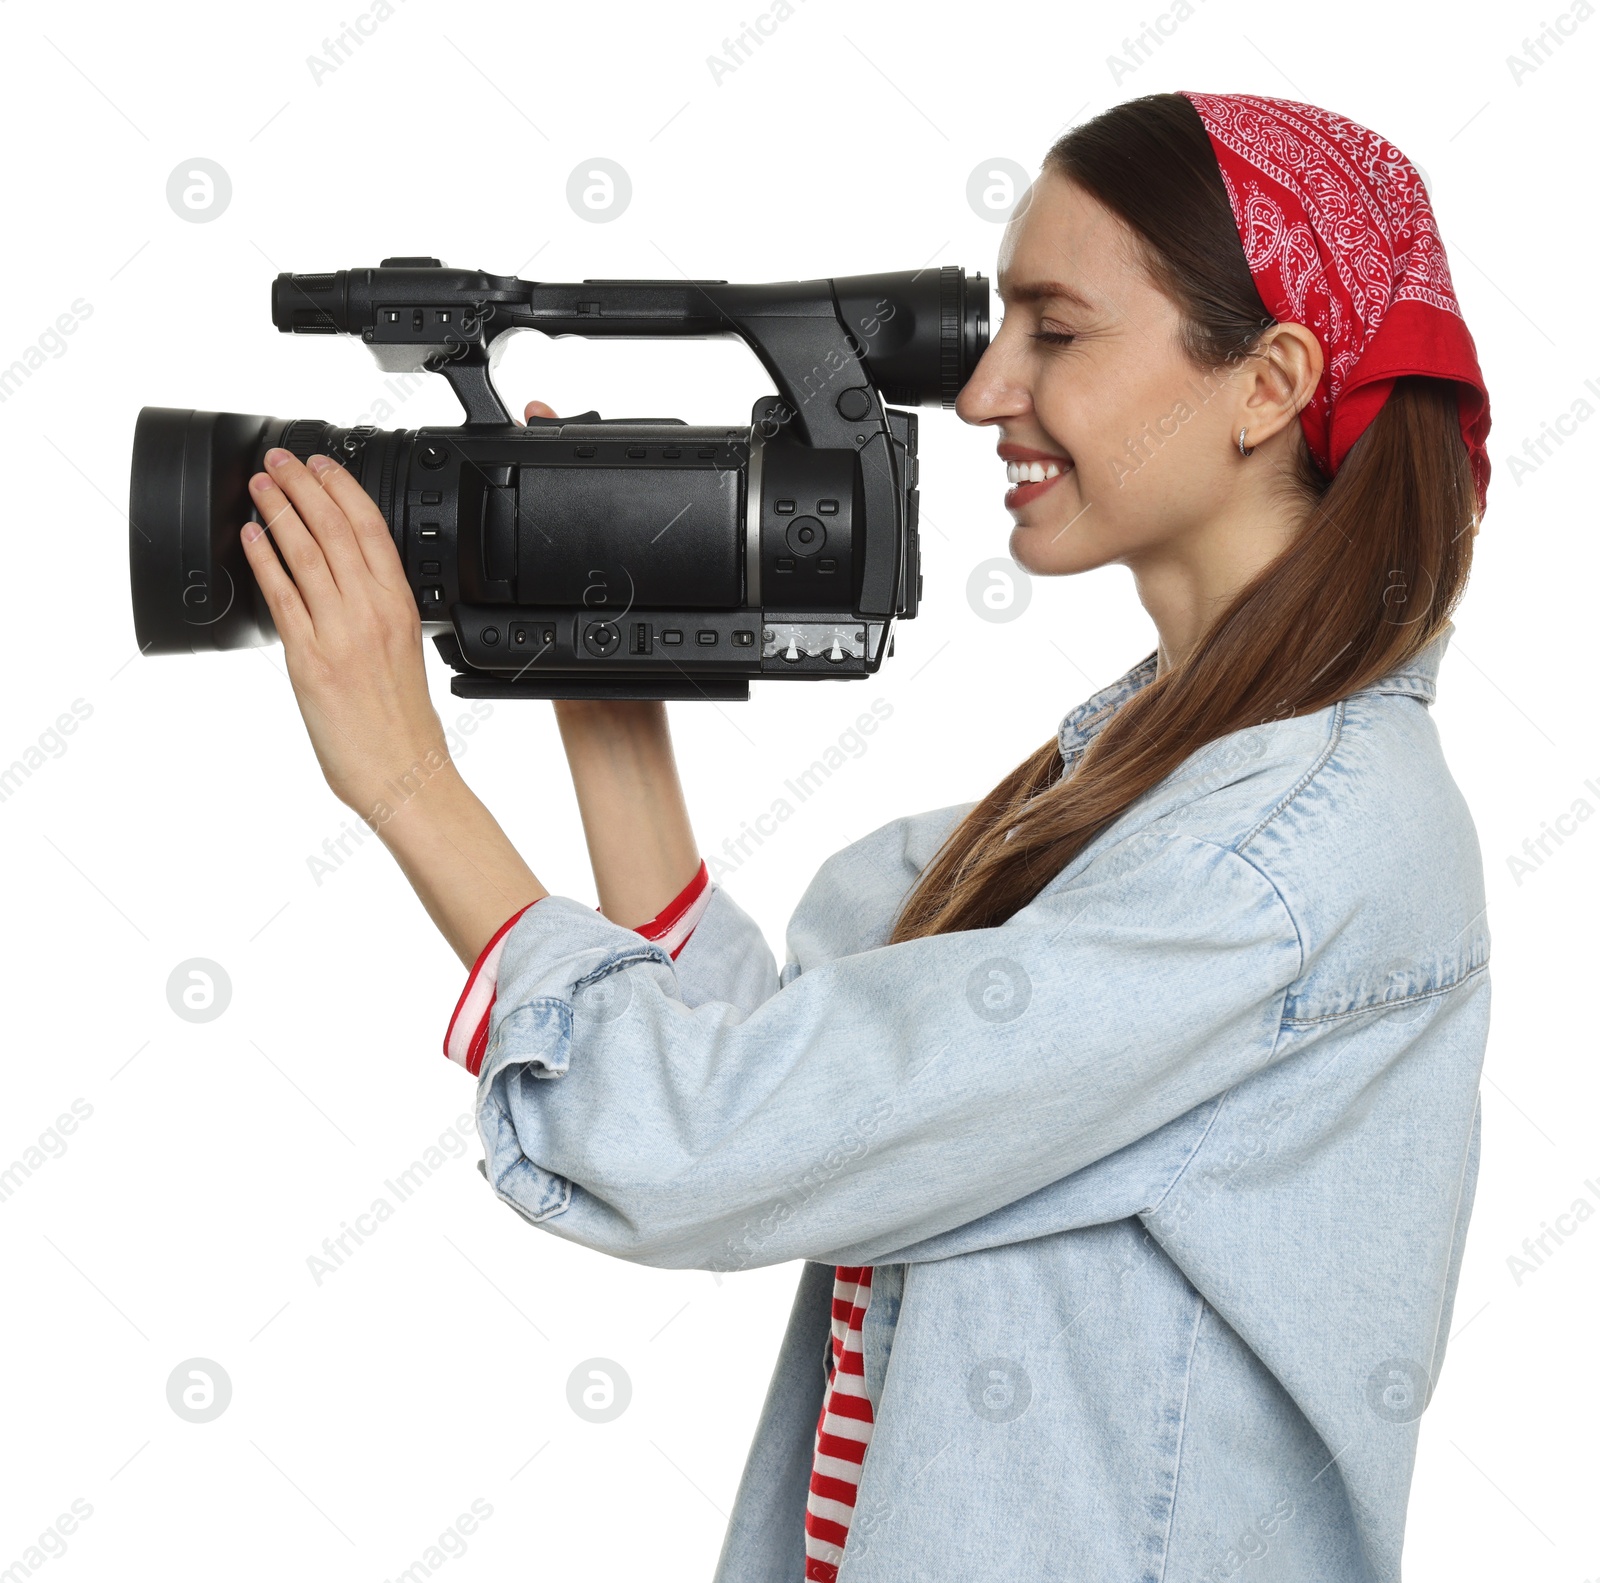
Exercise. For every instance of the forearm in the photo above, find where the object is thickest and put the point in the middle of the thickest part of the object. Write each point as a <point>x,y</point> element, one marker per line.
<point>635,820</point>
<point>461,864</point>
<point>352,641</point>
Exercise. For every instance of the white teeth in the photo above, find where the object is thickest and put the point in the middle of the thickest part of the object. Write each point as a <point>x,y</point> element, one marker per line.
<point>1031,472</point>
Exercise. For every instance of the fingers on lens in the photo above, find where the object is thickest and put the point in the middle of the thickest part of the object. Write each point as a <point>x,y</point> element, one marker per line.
<point>316,515</point>
<point>357,505</point>
<point>277,586</point>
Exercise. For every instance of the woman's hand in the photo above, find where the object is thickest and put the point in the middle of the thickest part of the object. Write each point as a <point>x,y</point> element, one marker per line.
<point>351,632</point>
<point>353,640</point>
<point>352,637</point>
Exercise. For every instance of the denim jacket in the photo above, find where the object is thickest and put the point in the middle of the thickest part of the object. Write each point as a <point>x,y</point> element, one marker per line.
<point>1164,1180</point>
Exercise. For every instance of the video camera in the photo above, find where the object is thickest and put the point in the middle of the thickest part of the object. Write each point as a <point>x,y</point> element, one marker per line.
<point>580,557</point>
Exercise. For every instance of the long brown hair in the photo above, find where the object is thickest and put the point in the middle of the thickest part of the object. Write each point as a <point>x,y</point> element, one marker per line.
<point>1370,578</point>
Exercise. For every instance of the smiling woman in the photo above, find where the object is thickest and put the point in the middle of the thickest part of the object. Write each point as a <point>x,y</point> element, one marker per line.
<point>1132,306</point>
<point>1126,1119</point>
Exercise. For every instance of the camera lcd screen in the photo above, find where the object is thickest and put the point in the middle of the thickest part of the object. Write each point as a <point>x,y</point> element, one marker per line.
<point>665,538</point>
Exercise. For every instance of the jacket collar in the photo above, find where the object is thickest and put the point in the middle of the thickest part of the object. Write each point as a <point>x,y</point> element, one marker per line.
<point>1080,726</point>
<point>1417,678</point>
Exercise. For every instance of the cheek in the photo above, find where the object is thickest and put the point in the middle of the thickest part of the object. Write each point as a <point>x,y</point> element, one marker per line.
<point>1145,445</point>
<point>1094,414</point>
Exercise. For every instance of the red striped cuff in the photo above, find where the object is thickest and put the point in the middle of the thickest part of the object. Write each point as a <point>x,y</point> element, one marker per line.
<point>672,926</point>
<point>467,1037</point>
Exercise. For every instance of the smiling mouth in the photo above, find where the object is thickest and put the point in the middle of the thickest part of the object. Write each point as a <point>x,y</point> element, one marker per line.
<point>1029,480</point>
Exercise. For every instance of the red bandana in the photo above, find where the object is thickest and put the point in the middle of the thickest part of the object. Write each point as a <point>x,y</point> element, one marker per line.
<point>1340,237</point>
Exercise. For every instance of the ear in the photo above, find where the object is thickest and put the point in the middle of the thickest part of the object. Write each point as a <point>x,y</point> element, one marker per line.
<point>1281,378</point>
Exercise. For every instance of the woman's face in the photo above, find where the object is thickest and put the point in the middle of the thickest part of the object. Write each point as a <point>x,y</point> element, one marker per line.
<point>1086,379</point>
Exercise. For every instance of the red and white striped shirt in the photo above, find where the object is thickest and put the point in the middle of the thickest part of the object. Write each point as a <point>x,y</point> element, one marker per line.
<point>844,1425</point>
<point>844,1429</point>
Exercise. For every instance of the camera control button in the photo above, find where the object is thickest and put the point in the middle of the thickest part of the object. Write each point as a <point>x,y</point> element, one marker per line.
<point>601,638</point>
<point>805,535</point>
<point>854,404</point>
<point>490,635</point>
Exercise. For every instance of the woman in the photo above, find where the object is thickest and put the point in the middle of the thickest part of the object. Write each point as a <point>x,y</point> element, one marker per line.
<point>1126,1119</point>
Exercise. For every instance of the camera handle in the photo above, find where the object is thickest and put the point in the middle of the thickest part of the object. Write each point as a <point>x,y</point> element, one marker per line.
<point>835,349</point>
<point>471,377</point>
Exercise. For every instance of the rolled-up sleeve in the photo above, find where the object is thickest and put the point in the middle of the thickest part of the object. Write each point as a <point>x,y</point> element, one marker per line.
<point>726,959</point>
<point>888,1095</point>
<point>741,961</point>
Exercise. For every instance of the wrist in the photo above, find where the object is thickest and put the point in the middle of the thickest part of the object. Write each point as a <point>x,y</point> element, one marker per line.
<point>461,864</point>
<point>419,791</point>
<point>589,725</point>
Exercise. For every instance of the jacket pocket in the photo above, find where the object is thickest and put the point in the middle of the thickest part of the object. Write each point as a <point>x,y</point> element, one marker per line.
<point>878,1326</point>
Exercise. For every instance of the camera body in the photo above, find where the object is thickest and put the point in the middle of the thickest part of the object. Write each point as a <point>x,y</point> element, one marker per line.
<point>581,557</point>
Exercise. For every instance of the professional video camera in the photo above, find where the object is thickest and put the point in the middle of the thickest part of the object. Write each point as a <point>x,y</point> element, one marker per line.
<point>580,557</point>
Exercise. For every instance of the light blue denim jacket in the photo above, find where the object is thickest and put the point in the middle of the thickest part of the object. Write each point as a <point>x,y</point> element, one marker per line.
<point>1165,1180</point>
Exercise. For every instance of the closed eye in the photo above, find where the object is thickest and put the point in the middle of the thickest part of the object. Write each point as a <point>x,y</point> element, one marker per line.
<point>1053,337</point>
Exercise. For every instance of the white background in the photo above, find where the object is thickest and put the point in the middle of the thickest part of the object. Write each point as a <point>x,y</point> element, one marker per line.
<point>369,1411</point>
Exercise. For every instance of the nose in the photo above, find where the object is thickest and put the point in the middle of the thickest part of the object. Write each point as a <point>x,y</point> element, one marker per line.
<point>996,389</point>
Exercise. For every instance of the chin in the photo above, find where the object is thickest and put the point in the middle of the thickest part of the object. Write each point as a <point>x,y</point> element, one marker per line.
<point>1036,549</point>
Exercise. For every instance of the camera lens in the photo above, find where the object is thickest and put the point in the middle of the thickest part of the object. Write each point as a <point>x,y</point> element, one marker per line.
<point>188,497</point>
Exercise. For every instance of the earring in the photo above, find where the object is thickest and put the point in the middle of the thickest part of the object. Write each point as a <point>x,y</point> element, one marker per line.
<point>1244,450</point>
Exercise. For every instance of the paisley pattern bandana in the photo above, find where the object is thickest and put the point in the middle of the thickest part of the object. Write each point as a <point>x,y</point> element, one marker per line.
<point>1340,237</point>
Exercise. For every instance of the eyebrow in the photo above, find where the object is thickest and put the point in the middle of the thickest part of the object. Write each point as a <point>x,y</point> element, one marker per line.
<point>1044,290</point>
